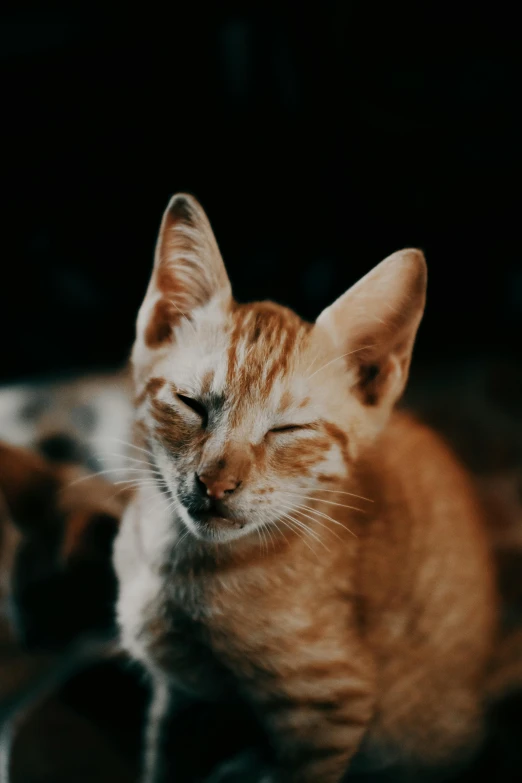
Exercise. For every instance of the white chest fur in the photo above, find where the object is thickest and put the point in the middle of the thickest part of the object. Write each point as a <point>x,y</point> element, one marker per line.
<point>145,536</point>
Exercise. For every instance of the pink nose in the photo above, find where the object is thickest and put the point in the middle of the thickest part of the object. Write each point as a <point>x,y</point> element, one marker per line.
<point>218,487</point>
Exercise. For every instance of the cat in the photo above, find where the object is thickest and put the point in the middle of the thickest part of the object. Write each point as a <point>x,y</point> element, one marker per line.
<point>83,419</point>
<point>297,542</point>
<point>57,592</point>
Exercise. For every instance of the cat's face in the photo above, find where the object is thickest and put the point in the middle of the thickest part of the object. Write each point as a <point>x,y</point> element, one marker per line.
<point>240,426</point>
<point>248,410</point>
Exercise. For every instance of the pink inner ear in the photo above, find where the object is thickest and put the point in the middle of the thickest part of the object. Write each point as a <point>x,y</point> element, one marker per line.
<point>163,319</point>
<point>370,379</point>
<point>377,378</point>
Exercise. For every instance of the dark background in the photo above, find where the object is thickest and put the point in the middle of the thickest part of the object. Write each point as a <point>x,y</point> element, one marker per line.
<point>319,137</point>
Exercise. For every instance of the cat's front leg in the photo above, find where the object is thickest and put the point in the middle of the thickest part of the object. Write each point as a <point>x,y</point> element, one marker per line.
<point>321,750</point>
<point>160,763</point>
<point>318,714</point>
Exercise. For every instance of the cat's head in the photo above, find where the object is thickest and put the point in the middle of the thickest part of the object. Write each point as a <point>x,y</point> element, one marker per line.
<point>248,408</point>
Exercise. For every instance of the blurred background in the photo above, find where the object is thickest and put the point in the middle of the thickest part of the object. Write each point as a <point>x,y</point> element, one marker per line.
<point>319,138</point>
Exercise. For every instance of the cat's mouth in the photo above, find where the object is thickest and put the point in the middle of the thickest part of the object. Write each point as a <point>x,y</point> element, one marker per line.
<point>213,518</point>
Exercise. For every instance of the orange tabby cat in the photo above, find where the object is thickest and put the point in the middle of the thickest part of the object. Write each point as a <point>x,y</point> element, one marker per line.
<point>294,541</point>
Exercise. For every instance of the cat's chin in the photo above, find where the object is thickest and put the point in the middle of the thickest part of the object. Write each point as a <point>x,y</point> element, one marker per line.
<point>211,527</point>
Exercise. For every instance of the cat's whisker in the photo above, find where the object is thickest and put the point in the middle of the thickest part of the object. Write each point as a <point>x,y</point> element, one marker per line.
<point>129,487</point>
<point>362,348</point>
<point>158,480</point>
<point>258,531</point>
<point>262,538</point>
<point>131,470</point>
<point>131,484</point>
<point>339,492</point>
<point>289,522</point>
<point>276,524</point>
<point>150,471</point>
<point>286,522</point>
<point>110,471</point>
<point>306,529</point>
<point>297,510</point>
<point>331,519</point>
<point>269,534</point>
<point>184,315</point>
<point>174,504</point>
<point>265,536</point>
<point>182,537</point>
<point>326,516</point>
<point>160,503</point>
<point>161,499</point>
<point>126,443</point>
<point>173,500</point>
<point>136,486</point>
<point>130,459</point>
<point>322,500</point>
<point>119,492</point>
<point>266,529</point>
<point>311,364</point>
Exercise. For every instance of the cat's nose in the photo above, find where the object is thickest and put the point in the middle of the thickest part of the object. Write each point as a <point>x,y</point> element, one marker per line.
<point>216,486</point>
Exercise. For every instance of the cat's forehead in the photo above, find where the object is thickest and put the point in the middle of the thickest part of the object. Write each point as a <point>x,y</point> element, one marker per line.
<point>266,343</point>
<point>251,353</point>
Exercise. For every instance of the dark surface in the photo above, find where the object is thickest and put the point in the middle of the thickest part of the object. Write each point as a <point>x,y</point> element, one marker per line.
<point>319,138</point>
<point>208,735</point>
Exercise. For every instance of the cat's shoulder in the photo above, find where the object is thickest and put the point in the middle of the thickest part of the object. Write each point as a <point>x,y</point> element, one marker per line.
<point>409,452</point>
<point>407,433</point>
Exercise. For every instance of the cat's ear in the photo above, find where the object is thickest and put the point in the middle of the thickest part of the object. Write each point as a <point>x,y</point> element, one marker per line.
<point>188,271</point>
<point>375,323</point>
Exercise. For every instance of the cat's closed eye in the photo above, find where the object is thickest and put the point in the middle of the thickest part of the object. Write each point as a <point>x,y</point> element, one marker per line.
<point>194,405</point>
<point>288,428</point>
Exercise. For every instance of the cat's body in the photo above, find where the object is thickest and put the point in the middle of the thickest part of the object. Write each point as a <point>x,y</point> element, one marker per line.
<point>296,543</point>
<point>385,636</point>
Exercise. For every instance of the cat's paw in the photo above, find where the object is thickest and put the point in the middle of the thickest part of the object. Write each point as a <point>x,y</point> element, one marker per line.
<point>247,767</point>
